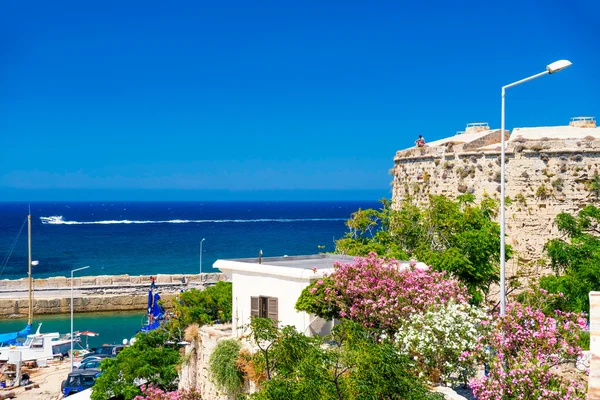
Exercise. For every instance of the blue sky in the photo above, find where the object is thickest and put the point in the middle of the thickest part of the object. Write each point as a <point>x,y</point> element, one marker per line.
<point>256,99</point>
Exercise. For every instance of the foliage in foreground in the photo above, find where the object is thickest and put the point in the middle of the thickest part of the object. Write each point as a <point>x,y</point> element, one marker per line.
<point>154,356</point>
<point>575,259</point>
<point>377,294</point>
<point>223,367</point>
<point>522,352</point>
<point>149,358</point>
<point>153,393</point>
<point>454,236</point>
<point>349,364</point>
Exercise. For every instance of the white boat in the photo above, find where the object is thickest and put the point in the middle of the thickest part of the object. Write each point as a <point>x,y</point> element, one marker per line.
<point>40,346</point>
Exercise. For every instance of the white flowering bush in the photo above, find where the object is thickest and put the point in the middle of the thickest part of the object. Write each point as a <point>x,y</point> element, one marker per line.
<point>442,340</point>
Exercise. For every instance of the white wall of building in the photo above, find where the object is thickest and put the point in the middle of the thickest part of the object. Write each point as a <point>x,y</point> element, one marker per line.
<point>285,289</point>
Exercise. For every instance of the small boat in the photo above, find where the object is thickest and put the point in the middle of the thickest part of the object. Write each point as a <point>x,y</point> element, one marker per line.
<point>40,346</point>
<point>61,346</point>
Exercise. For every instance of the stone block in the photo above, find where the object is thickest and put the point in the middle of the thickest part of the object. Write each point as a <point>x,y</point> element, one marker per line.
<point>88,281</point>
<point>104,280</point>
<point>162,278</point>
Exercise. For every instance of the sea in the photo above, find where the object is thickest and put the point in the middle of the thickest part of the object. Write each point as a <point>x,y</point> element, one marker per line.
<point>149,238</point>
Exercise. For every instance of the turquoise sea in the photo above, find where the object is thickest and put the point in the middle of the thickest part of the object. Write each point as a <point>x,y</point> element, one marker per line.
<point>112,327</point>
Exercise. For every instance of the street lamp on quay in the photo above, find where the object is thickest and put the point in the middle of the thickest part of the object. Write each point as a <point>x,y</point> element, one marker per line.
<point>550,69</point>
<point>203,239</point>
<point>73,271</point>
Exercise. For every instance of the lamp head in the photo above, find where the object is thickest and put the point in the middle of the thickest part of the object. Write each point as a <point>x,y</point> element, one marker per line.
<point>558,66</point>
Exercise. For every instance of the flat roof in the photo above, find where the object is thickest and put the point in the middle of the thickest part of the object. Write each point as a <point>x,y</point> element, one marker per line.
<point>320,261</point>
<point>297,267</point>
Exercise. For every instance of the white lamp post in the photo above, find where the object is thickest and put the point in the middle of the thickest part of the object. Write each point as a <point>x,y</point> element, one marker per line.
<point>550,69</point>
<point>203,239</point>
<point>72,271</point>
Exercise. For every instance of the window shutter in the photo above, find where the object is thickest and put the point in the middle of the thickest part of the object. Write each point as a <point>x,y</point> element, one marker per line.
<point>273,308</point>
<point>254,306</point>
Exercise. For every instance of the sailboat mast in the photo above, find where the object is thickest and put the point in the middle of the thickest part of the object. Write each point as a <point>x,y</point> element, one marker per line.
<point>29,263</point>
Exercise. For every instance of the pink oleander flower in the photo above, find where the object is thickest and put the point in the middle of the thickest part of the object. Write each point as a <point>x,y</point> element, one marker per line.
<point>522,352</point>
<point>374,292</point>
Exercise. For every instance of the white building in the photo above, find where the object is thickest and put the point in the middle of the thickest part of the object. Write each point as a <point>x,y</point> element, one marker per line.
<point>271,286</point>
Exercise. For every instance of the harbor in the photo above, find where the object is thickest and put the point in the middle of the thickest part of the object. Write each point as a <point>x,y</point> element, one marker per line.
<point>104,293</point>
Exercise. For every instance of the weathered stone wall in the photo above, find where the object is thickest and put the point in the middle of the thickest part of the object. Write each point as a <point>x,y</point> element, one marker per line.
<point>126,302</point>
<point>543,178</point>
<point>194,372</point>
<point>594,377</point>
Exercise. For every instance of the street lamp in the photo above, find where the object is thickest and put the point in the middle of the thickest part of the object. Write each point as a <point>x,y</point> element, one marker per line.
<point>72,271</point>
<point>550,69</point>
<point>203,239</point>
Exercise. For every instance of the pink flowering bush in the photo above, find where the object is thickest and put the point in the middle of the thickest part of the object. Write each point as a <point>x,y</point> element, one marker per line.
<point>523,352</point>
<point>378,294</point>
<point>150,392</point>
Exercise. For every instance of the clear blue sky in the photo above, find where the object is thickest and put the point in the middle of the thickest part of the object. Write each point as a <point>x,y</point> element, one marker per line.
<point>256,99</point>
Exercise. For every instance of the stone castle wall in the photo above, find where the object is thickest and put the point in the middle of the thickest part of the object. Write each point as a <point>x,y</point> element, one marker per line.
<point>543,178</point>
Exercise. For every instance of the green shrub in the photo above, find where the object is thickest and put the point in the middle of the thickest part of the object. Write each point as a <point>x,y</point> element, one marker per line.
<point>584,340</point>
<point>223,366</point>
<point>210,305</point>
<point>558,184</point>
<point>542,192</point>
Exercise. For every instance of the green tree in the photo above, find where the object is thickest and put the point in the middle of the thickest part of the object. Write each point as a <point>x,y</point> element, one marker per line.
<point>575,259</point>
<point>211,305</point>
<point>457,236</point>
<point>150,358</point>
<point>347,365</point>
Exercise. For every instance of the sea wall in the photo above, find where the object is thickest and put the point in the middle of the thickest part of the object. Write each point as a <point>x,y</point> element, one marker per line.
<point>107,281</point>
<point>94,293</point>
<point>543,178</point>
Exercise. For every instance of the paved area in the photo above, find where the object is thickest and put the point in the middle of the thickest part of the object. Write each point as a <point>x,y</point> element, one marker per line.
<point>49,380</point>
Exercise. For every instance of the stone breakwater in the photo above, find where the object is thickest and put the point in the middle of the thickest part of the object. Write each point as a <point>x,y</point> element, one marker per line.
<point>94,293</point>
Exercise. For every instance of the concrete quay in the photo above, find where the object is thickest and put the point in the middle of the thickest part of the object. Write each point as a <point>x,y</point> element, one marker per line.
<point>94,293</point>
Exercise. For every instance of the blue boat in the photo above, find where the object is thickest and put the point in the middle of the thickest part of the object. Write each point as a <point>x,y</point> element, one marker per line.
<point>156,312</point>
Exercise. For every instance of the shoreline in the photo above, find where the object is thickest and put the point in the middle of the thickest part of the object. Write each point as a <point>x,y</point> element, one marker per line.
<point>94,293</point>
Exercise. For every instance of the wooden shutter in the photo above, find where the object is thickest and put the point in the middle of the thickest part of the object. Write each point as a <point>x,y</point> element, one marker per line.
<point>272,308</point>
<point>254,307</point>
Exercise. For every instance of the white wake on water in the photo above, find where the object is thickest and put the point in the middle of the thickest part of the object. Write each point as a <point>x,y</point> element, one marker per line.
<point>58,220</point>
